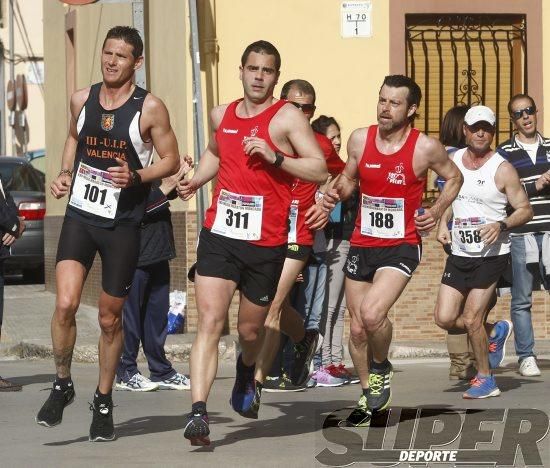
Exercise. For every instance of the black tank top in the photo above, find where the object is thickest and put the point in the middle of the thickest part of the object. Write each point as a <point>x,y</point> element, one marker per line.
<point>104,135</point>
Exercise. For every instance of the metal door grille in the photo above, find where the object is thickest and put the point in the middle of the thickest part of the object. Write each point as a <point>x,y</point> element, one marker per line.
<point>468,59</point>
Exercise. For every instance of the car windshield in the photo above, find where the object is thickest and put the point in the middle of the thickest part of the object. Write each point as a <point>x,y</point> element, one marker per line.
<point>20,177</point>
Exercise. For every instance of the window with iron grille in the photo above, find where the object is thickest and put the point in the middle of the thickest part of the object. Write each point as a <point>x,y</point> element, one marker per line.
<point>465,59</point>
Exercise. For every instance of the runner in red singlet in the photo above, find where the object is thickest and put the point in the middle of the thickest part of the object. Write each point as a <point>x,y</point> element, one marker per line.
<point>391,160</point>
<point>259,146</point>
<point>282,316</point>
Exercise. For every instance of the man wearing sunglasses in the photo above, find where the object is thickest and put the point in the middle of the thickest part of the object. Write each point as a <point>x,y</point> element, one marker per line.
<point>529,152</point>
<point>282,316</point>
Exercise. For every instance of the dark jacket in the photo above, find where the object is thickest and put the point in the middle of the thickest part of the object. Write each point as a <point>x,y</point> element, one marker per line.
<point>9,222</point>
<point>157,234</point>
<point>528,174</point>
<point>343,226</point>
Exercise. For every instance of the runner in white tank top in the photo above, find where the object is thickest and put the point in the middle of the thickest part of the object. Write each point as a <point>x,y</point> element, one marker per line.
<point>480,245</point>
<point>478,203</point>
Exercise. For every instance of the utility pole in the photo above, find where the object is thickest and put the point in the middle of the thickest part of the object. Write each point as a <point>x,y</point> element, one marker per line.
<point>197,105</point>
<point>2,101</point>
<point>12,76</point>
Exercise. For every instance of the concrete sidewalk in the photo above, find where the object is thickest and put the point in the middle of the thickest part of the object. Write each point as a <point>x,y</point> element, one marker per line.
<point>26,332</point>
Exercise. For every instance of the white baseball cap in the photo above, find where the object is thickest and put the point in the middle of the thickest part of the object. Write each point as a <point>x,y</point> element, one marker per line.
<point>480,114</point>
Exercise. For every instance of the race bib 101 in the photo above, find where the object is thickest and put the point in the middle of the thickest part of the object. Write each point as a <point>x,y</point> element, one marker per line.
<point>94,193</point>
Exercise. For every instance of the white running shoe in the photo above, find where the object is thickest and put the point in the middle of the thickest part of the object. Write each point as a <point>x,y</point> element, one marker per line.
<point>529,368</point>
<point>177,382</point>
<point>138,383</point>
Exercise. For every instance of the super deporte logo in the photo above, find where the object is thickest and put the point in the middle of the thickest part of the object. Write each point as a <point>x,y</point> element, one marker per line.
<point>455,437</point>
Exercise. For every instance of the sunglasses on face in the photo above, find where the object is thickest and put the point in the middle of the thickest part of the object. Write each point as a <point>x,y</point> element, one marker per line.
<point>519,113</point>
<point>304,107</point>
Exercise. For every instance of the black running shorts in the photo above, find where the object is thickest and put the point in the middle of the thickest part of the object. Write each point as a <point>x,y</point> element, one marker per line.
<point>255,269</point>
<point>464,273</point>
<point>298,252</point>
<point>118,248</point>
<point>363,262</point>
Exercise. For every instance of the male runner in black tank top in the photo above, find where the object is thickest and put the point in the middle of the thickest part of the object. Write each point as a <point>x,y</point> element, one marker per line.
<point>106,171</point>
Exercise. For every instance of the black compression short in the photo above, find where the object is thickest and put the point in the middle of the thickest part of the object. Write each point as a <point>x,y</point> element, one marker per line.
<point>254,268</point>
<point>118,248</point>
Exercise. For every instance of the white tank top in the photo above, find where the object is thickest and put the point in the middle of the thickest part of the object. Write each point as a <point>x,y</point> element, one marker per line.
<point>479,202</point>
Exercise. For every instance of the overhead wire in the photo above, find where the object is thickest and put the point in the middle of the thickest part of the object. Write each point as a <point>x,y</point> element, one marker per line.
<point>31,57</point>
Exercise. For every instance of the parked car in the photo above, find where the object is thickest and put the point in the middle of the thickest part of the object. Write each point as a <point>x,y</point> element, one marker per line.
<point>26,185</point>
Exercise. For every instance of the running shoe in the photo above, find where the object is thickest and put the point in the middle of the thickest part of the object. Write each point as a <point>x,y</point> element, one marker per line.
<point>324,378</point>
<point>528,367</point>
<point>312,382</point>
<point>51,413</point>
<point>102,427</point>
<point>379,393</point>
<point>197,429</point>
<point>497,343</point>
<point>482,387</point>
<point>353,378</point>
<point>283,384</point>
<point>247,393</point>
<point>303,354</point>
<point>176,382</point>
<point>271,384</point>
<point>360,417</point>
<point>137,383</point>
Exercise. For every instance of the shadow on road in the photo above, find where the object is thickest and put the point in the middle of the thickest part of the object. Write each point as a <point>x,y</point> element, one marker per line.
<point>146,425</point>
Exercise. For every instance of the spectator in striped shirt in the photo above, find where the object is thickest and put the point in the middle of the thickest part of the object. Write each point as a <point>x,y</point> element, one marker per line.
<point>529,152</point>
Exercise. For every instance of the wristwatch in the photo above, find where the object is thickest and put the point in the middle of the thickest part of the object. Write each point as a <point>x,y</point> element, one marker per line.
<point>503,226</point>
<point>135,178</point>
<point>279,158</point>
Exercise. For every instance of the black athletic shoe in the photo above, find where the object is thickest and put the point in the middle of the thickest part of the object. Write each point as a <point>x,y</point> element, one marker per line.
<point>197,429</point>
<point>379,394</point>
<point>51,413</point>
<point>246,393</point>
<point>360,417</point>
<point>281,384</point>
<point>303,354</point>
<point>102,428</point>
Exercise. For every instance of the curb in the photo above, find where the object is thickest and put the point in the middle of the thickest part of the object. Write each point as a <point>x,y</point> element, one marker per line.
<point>228,350</point>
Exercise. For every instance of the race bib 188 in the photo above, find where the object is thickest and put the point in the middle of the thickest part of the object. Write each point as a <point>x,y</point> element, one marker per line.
<point>382,217</point>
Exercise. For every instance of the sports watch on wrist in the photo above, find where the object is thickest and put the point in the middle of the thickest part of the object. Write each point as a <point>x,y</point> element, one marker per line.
<point>135,178</point>
<point>503,226</point>
<point>279,158</point>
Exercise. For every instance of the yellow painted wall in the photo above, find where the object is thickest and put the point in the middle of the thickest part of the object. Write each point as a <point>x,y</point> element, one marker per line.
<point>346,73</point>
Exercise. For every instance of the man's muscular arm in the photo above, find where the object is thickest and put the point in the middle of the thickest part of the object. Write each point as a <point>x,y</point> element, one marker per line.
<point>507,181</point>
<point>437,159</point>
<point>209,163</point>
<point>343,186</point>
<point>310,165</point>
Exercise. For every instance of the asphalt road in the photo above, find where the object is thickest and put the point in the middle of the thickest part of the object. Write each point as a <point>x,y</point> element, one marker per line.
<point>427,407</point>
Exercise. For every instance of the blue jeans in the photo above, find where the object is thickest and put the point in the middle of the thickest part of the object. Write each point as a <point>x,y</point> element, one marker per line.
<point>308,297</point>
<point>144,319</point>
<point>522,288</point>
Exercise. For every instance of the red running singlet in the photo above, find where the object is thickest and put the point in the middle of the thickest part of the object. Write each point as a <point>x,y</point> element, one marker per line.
<point>303,195</point>
<point>390,193</point>
<point>252,198</point>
